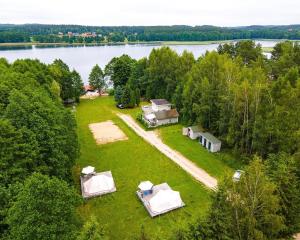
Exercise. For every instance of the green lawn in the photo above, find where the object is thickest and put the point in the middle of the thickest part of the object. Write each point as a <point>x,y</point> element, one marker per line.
<point>215,164</point>
<point>132,161</point>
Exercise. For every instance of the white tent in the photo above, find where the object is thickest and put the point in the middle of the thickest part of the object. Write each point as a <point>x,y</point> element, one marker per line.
<point>98,183</point>
<point>88,170</point>
<point>146,185</point>
<point>165,200</point>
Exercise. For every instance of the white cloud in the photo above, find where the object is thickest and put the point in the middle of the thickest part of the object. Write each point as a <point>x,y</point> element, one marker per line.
<point>154,12</point>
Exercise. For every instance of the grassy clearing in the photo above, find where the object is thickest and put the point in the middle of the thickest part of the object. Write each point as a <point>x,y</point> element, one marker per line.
<point>132,161</point>
<point>216,164</point>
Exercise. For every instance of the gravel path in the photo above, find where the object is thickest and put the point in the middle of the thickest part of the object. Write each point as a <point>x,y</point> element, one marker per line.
<point>191,168</point>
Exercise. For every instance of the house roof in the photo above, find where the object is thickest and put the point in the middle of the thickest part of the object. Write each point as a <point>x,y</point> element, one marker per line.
<point>210,137</point>
<point>166,114</point>
<point>196,128</point>
<point>160,101</point>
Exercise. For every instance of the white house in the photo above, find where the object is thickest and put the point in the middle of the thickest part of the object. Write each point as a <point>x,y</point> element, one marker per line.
<point>194,132</point>
<point>159,113</point>
<point>210,142</point>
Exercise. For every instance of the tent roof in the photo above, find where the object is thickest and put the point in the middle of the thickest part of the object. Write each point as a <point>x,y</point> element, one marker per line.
<point>146,185</point>
<point>98,183</point>
<point>165,200</point>
<point>88,170</point>
<point>210,137</point>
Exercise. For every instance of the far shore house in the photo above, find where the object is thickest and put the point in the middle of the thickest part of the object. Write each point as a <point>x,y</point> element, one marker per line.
<point>96,184</point>
<point>158,199</point>
<point>210,142</point>
<point>159,113</point>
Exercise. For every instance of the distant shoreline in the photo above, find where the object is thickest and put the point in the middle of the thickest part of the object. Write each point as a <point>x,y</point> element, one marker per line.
<point>11,44</point>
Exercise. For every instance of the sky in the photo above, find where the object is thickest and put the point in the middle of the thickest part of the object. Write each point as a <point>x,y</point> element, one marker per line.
<point>151,12</point>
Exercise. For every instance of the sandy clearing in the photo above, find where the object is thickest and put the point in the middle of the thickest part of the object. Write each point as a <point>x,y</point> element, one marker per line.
<point>152,138</point>
<point>107,132</point>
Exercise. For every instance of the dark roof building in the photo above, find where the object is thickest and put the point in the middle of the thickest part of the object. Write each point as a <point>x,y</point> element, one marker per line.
<point>166,114</point>
<point>160,101</point>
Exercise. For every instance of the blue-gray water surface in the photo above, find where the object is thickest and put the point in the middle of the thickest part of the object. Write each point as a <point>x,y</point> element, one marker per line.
<point>83,58</point>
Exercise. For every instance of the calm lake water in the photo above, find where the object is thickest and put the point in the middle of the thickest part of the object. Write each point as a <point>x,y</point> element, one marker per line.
<point>83,58</point>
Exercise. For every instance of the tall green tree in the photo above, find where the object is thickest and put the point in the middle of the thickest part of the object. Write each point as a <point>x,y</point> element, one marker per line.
<point>282,169</point>
<point>120,70</point>
<point>44,209</point>
<point>77,85</point>
<point>96,78</point>
<point>247,209</point>
<point>92,231</point>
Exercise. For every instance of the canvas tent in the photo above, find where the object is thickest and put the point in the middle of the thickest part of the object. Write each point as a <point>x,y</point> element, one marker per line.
<point>98,184</point>
<point>162,199</point>
<point>165,200</point>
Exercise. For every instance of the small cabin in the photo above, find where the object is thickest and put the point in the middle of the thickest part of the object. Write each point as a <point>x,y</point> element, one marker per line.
<point>210,142</point>
<point>194,132</point>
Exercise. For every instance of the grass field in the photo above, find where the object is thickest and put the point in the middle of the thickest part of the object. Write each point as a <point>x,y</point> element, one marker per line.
<point>132,161</point>
<point>216,164</point>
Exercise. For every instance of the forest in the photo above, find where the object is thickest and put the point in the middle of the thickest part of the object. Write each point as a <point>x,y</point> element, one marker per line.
<point>49,33</point>
<point>253,105</point>
<point>248,101</point>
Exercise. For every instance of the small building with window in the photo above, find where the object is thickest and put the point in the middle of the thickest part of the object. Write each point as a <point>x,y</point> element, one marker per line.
<point>160,112</point>
<point>210,142</point>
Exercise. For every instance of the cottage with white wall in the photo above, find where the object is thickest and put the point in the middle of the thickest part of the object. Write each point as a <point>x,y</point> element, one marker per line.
<point>210,142</point>
<point>159,113</point>
<point>194,132</point>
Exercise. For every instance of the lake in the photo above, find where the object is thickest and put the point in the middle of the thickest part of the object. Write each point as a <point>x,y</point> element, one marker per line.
<point>83,58</point>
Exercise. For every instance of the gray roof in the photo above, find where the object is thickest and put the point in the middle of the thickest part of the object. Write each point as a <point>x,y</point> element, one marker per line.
<point>166,114</point>
<point>196,128</point>
<point>210,137</point>
<point>160,101</point>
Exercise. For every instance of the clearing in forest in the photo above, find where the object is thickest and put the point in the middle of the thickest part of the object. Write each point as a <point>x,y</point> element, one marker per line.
<point>107,132</point>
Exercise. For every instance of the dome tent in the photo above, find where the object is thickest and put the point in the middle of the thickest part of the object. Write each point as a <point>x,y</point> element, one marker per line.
<point>165,200</point>
<point>98,183</point>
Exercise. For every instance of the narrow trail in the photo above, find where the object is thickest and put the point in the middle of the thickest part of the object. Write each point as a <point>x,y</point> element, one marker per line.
<point>187,165</point>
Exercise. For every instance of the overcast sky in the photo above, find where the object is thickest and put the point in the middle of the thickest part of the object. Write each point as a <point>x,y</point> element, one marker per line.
<point>151,12</point>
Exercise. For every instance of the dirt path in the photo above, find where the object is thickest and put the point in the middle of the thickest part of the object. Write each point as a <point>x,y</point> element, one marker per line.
<point>198,173</point>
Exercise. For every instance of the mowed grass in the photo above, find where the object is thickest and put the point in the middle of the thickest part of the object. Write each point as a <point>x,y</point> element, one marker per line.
<point>132,161</point>
<point>216,164</point>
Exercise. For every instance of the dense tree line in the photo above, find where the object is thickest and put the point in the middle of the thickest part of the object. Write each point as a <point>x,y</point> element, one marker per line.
<point>248,101</point>
<point>39,146</point>
<point>48,33</point>
<point>253,104</point>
